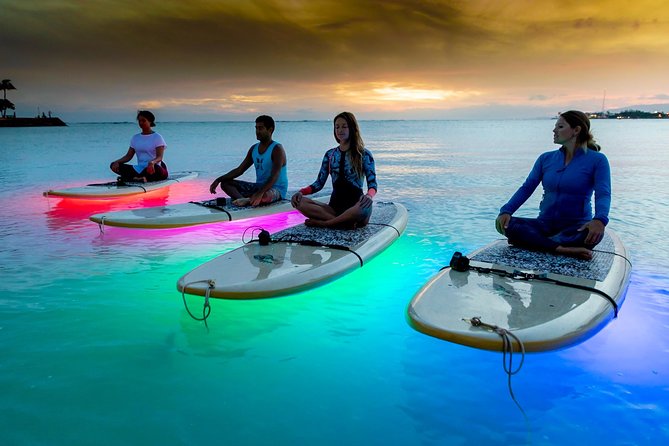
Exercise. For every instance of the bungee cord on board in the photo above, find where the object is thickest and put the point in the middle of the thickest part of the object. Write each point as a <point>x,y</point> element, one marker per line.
<point>461,263</point>
<point>208,204</point>
<point>615,254</point>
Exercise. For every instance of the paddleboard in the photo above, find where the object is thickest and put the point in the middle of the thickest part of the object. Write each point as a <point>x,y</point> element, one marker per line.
<point>193,213</point>
<point>296,259</point>
<point>547,301</point>
<point>115,189</point>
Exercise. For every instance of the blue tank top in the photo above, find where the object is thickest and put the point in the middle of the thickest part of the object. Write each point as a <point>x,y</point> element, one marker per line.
<point>263,164</point>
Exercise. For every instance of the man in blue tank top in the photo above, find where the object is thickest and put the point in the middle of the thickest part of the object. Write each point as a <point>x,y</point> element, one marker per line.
<point>269,159</point>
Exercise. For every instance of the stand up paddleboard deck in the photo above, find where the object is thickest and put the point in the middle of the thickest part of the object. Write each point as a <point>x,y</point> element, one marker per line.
<point>296,259</point>
<point>192,213</point>
<point>118,189</point>
<point>547,301</point>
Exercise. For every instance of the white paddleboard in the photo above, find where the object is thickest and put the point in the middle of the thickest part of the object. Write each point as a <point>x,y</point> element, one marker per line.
<point>115,189</point>
<point>192,213</point>
<point>569,301</point>
<point>298,258</point>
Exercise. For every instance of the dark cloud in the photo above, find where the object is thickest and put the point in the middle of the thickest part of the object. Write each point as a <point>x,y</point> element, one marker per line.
<point>228,52</point>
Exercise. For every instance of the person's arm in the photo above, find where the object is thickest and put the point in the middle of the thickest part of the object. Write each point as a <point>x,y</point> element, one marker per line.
<point>370,175</point>
<point>124,159</point>
<point>316,185</point>
<point>522,194</point>
<point>597,225</point>
<point>160,151</point>
<point>526,190</point>
<point>234,173</point>
<point>602,190</point>
<point>278,161</point>
<point>322,177</point>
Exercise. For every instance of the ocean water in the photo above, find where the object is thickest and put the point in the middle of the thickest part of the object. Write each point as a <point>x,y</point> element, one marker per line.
<point>97,348</point>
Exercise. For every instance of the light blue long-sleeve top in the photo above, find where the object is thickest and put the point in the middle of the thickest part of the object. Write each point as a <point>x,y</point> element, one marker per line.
<point>568,189</point>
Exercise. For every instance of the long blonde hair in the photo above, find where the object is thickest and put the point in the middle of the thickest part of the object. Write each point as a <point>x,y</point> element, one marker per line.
<point>356,144</point>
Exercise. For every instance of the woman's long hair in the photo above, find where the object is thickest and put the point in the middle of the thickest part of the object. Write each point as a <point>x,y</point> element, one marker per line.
<point>577,118</point>
<point>356,145</point>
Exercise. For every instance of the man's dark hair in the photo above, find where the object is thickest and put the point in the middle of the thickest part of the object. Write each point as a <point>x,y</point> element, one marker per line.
<point>267,121</point>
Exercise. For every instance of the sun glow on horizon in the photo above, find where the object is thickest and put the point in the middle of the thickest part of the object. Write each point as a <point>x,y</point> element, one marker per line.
<point>393,95</point>
<point>401,94</point>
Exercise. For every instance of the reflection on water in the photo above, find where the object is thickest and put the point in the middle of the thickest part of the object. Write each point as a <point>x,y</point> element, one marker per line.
<point>74,211</point>
<point>87,318</point>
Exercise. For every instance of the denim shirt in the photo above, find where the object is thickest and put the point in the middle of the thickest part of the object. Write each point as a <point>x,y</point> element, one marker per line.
<point>568,189</point>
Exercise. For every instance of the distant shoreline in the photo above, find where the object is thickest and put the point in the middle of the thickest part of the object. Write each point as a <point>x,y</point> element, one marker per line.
<point>32,122</point>
<point>630,114</point>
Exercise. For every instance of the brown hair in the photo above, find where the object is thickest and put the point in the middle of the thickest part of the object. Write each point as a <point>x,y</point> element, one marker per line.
<point>577,118</point>
<point>148,116</point>
<point>356,145</point>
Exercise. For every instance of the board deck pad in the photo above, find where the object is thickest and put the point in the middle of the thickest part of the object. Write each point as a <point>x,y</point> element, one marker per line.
<point>502,253</point>
<point>383,213</point>
<point>296,258</point>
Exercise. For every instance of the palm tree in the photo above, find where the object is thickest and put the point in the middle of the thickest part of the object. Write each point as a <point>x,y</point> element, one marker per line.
<point>5,85</point>
<point>4,106</point>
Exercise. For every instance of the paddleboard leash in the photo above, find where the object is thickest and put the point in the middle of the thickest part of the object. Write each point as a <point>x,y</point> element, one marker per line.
<point>507,350</point>
<point>206,309</point>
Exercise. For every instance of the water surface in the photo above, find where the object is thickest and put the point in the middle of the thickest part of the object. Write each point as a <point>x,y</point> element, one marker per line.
<point>98,349</point>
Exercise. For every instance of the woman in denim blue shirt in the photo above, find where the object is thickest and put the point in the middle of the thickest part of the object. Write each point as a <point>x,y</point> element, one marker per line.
<point>569,177</point>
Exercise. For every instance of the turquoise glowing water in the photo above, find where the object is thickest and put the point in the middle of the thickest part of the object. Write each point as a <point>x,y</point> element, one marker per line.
<point>96,346</point>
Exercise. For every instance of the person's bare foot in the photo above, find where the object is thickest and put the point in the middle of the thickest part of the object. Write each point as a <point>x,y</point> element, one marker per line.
<point>579,253</point>
<point>241,202</point>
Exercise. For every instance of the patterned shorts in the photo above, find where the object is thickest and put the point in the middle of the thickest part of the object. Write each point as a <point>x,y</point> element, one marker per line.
<point>247,189</point>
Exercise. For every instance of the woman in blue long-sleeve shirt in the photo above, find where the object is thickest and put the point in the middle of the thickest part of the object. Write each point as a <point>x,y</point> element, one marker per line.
<point>569,177</point>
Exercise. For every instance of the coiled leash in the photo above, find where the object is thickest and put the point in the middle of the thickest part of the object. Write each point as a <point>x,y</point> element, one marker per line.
<point>461,263</point>
<point>206,309</point>
<point>507,350</point>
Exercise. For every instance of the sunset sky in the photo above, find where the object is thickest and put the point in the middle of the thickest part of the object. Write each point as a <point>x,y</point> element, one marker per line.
<point>100,60</point>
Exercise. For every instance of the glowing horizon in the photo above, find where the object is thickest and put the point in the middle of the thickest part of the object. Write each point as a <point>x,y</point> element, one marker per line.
<point>308,60</point>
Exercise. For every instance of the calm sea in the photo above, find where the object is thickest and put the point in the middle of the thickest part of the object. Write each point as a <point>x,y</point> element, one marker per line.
<point>96,347</point>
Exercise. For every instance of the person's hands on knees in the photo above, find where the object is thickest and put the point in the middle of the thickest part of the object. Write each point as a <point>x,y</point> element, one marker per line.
<point>366,201</point>
<point>502,222</point>
<point>296,199</point>
<point>214,185</point>
<point>595,230</point>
